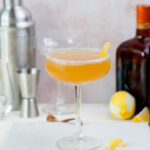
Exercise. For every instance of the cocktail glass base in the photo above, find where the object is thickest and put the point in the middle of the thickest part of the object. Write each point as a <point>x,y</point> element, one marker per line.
<point>72,143</point>
<point>59,109</point>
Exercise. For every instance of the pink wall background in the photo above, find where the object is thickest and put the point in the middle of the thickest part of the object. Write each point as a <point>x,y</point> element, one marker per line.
<point>112,20</point>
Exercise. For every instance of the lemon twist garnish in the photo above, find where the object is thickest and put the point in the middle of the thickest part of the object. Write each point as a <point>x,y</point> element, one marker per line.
<point>115,143</point>
<point>105,48</point>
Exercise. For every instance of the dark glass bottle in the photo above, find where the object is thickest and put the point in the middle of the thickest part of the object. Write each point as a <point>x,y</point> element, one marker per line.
<point>133,61</point>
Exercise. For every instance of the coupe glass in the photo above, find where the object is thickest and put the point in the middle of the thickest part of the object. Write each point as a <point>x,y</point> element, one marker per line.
<point>76,63</point>
<point>45,45</point>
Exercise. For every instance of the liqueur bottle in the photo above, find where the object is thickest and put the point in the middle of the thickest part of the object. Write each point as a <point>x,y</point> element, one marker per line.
<point>133,61</point>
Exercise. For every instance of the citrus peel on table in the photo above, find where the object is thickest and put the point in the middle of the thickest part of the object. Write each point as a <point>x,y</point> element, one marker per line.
<point>104,50</point>
<point>115,143</point>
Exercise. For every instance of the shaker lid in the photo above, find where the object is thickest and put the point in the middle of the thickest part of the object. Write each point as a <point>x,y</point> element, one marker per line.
<point>17,17</point>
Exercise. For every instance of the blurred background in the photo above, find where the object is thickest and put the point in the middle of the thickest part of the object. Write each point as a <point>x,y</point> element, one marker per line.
<point>109,20</point>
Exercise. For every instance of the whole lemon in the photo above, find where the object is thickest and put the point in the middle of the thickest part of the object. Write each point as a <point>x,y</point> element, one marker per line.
<point>122,105</point>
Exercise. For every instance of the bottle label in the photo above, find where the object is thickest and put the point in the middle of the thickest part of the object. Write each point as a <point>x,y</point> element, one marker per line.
<point>144,27</point>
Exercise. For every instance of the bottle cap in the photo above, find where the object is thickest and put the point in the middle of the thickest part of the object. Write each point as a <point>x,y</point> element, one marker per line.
<point>143,14</point>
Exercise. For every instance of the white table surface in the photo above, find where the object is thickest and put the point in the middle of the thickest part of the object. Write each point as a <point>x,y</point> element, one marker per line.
<point>94,113</point>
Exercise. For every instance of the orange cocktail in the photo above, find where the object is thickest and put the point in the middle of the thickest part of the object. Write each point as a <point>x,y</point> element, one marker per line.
<point>77,65</point>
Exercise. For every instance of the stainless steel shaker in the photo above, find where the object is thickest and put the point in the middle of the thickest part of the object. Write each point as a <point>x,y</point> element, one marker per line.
<point>17,34</point>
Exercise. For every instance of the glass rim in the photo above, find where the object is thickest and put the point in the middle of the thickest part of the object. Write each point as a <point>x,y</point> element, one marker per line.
<point>77,61</point>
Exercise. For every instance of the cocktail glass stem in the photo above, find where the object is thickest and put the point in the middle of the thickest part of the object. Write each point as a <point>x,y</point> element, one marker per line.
<point>79,133</point>
<point>60,99</point>
<point>78,141</point>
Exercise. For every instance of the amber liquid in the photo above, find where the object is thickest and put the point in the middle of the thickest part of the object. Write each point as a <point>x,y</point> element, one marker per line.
<point>77,66</point>
<point>133,68</point>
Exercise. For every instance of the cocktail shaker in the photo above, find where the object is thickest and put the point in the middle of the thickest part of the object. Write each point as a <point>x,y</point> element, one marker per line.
<point>17,51</point>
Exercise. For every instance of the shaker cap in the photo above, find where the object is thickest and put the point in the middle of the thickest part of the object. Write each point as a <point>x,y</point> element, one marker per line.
<point>143,14</point>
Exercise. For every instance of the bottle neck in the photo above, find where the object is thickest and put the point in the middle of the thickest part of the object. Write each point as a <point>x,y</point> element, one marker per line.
<point>11,3</point>
<point>143,31</point>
